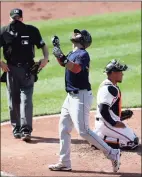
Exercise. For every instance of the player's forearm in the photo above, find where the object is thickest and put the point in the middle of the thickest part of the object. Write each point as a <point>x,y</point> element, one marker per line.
<point>74,67</point>
<point>45,51</point>
<point>104,110</point>
<point>59,61</point>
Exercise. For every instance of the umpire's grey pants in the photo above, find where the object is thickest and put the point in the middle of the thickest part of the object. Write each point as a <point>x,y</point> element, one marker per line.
<point>20,91</point>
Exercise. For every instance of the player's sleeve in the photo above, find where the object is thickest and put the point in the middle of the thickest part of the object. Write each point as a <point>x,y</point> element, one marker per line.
<point>83,60</point>
<point>38,41</point>
<point>107,97</point>
<point>104,111</point>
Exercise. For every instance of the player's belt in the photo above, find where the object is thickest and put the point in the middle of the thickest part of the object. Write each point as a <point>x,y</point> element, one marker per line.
<point>74,92</point>
<point>77,91</point>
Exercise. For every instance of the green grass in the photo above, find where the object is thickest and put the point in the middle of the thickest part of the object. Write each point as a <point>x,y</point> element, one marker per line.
<point>115,35</point>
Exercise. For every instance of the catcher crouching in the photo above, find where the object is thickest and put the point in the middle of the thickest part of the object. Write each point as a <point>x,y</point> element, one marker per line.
<point>109,119</point>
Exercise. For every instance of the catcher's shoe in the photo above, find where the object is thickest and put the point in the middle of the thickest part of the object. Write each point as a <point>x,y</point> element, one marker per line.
<point>116,159</point>
<point>59,167</point>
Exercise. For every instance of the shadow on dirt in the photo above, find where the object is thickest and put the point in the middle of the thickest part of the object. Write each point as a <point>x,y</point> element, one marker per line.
<point>138,150</point>
<point>108,173</point>
<point>38,139</point>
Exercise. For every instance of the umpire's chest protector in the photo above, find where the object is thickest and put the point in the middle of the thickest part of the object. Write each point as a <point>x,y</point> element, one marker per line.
<point>19,42</point>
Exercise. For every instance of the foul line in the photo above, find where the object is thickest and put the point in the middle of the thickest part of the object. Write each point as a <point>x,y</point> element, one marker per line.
<point>58,115</point>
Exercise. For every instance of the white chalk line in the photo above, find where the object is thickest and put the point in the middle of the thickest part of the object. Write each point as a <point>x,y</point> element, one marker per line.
<point>7,174</point>
<point>58,115</point>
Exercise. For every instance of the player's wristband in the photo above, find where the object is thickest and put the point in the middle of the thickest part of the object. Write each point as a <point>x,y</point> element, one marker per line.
<point>64,59</point>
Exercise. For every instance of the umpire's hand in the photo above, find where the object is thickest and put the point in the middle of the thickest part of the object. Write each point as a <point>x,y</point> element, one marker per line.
<point>4,66</point>
<point>43,63</point>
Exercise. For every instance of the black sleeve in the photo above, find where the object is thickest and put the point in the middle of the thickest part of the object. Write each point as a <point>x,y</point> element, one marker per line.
<point>38,41</point>
<point>104,110</point>
<point>113,91</point>
<point>1,36</point>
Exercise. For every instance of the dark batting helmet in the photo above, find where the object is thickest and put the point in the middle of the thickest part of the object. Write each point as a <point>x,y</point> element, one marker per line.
<point>115,66</point>
<point>83,37</point>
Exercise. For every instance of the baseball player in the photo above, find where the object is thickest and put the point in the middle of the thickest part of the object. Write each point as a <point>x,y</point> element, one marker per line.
<point>76,107</point>
<point>109,117</point>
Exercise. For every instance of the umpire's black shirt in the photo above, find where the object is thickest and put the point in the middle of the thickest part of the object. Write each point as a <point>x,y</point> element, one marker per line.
<point>18,40</point>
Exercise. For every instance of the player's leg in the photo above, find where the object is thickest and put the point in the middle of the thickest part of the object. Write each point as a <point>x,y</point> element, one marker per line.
<point>65,128</point>
<point>127,138</point>
<point>80,105</point>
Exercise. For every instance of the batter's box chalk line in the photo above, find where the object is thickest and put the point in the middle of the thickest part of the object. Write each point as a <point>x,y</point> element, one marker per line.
<point>6,174</point>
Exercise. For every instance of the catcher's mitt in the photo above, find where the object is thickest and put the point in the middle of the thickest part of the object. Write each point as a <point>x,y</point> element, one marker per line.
<point>126,114</point>
<point>34,69</point>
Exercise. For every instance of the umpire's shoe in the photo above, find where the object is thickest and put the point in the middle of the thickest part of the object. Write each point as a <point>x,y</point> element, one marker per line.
<point>25,135</point>
<point>59,167</point>
<point>17,133</point>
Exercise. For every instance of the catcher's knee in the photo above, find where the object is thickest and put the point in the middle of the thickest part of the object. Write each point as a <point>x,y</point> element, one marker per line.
<point>118,144</point>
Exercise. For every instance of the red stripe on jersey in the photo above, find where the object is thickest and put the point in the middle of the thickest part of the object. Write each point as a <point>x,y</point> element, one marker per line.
<point>74,67</point>
<point>120,103</point>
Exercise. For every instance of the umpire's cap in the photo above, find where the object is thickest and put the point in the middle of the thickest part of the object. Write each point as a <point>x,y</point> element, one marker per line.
<point>16,12</point>
<point>84,39</point>
<point>115,66</point>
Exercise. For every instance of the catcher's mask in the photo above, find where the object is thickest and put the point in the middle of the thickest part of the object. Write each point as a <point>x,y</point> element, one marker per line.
<point>115,66</point>
<point>83,37</point>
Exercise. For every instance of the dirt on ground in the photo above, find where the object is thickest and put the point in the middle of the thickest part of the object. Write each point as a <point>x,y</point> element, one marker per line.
<point>57,10</point>
<point>32,159</point>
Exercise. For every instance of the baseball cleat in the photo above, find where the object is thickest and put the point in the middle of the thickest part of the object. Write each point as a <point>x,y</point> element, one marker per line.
<point>116,161</point>
<point>59,167</point>
<point>17,133</point>
<point>26,136</point>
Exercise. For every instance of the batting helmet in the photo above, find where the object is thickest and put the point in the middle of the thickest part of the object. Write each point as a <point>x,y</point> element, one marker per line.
<point>115,66</point>
<point>83,37</point>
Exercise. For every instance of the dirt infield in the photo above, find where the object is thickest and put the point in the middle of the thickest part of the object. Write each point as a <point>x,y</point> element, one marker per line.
<point>31,159</point>
<point>56,10</point>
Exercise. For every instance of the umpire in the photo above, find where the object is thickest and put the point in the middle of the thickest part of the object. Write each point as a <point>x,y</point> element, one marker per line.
<point>18,41</point>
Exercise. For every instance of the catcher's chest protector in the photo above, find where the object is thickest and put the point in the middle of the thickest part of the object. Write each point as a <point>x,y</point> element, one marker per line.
<point>116,101</point>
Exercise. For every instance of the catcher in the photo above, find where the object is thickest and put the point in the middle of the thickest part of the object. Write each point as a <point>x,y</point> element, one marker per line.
<point>109,119</point>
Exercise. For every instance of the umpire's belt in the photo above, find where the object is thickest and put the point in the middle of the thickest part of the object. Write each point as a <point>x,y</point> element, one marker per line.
<point>19,65</point>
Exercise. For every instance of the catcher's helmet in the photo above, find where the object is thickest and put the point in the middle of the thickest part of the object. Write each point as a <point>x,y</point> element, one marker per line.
<point>115,66</point>
<point>83,37</point>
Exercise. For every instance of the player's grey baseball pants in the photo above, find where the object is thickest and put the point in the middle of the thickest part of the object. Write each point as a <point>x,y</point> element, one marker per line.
<point>20,91</point>
<point>75,111</point>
